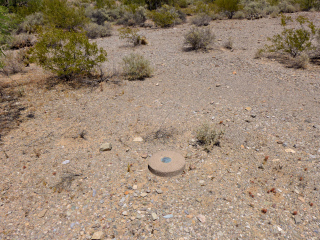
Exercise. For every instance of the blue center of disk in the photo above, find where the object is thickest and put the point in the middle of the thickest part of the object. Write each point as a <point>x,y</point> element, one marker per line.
<point>165,159</point>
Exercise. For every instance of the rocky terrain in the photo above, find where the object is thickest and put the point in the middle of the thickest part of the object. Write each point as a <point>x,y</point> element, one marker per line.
<point>262,182</point>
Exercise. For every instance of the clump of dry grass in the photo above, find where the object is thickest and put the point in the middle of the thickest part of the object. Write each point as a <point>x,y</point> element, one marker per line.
<point>208,136</point>
<point>199,38</point>
<point>13,62</point>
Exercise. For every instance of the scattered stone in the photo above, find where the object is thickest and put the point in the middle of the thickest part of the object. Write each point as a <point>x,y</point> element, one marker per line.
<point>159,191</point>
<point>154,216</point>
<point>218,85</point>
<point>168,216</point>
<point>301,199</point>
<point>148,191</point>
<point>248,109</point>
<point>125,213</point>
<point>289,150</point>
<point>143,194</point>
<point>135,187</point>
<point>144,155</point>
<point>253,115</point>
<point>96,225</point>
<point>97,235</point>
<point>202,182</point>
<point>138,139</point>
<point>105,147</point>
<point>42,213</point>
<point>66,162</point>
<point>297,219</point>
<point>201,218</point>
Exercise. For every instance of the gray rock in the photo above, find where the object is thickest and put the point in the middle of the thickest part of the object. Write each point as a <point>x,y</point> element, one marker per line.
<point>297,219</point>
<point>105,147</point>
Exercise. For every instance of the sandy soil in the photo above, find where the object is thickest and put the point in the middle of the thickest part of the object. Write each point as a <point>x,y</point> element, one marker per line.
<point>261,183</point>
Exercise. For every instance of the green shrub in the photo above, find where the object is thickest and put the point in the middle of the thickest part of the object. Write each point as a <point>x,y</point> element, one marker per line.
<point>135,66</point>
<point>229,6</point>
<point>208,136</point>
<point>166,16</point>
<point>61,14</point>
<point>132,36</point>
<point>294,41</point>
<point>199,38</point>
<point>255,9</point>
<point>31,23</point>
<point>201,19</point>
<point>66,53</point>
<point>105,3</point>
<point>94,30</point>
<point>3,32</point>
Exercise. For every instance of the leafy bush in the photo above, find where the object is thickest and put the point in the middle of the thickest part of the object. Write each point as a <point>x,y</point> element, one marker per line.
<point>21,41</point>
<point>105,3</point>
<point>199,38</point>
<point>30,24</point>
<point>60,14</point>
<point>166,16</point>
<point>135,66</point>
<point>208,136</point>
<point>132,36</point>
<point>255,9</point>
<point>66,53</point>
<point>201,19</point>
<point>229,6</point>
<point>13,62</point>
<point>294,41</point>
<point>94,30</point>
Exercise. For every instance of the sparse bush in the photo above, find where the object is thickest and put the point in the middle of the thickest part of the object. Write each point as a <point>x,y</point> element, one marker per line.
<point>272,11</point>
<point>199,38</point>
<point>3,32</point>
<point>98,16</point>
<point>239,15</point>
<point>201,19</point>
<point>208,136</point>
<point>300,62</point>
<point>22,40</point>
<point>13,62</point>
<point>30,24</point>
<point>287,7</point>
<point>229,44</point>
<point>105,3</point>
<point>133,17</point>
<point>94,30</point>
<point>294,41</point>
<point>135,66</point>
<point>66,53</point>
<point>166,16</point>
<point>132,36</point>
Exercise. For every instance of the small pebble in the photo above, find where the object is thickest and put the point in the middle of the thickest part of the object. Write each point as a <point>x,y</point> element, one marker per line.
<point>66,162</point>
<point>201,218</point>
<point>154,216</point>
<point>168,216</point>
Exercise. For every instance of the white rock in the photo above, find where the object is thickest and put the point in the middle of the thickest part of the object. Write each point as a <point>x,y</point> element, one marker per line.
<point>97,235</point>
<point>201,218</point>
<point>105,147</point>
<point>154,216</point>
<point>138,139</point>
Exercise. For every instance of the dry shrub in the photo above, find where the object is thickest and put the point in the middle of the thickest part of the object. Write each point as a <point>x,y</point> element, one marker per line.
<point>199,38</point>
<point>299,62</point>
<point>30,24</point>
<point>239,15</point>
<point>228,44</point>
<point>22,40</point>
<point>93,30</point>
<point>135,66</point>
<point>208,136</point>
<point>13,62</point>
<point>132,36</point>
<point>202,19</point>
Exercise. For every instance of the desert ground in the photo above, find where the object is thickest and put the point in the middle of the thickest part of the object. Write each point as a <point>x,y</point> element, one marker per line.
<point>262,182</point>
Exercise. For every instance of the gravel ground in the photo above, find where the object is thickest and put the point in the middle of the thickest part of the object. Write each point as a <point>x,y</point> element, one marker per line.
<point>261,183</point>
